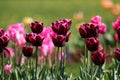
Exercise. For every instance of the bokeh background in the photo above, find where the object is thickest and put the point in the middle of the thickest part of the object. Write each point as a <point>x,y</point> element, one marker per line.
<point>48,11</point>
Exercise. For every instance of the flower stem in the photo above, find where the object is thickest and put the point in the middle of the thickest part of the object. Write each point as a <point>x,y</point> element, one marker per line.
<point>36,56</point>
<point>100,72</point>
<point>57,56</point>
<point>2,66</point>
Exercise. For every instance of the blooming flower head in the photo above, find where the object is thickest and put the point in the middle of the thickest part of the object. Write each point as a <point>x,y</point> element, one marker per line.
<point>16,33</point>
<point>92,43</point>
<point>88,30</point>
<point>117,54</point>
<point>58,40</point>
<point>116,24</point>
<point>61,27</point>
<point>4,39</point>
<point>34,39</point>
<point>27,51</point>
<point>47,44</point>
<point>36,27</point>
<point>7,68</point>
<point>116,38</point>
<point>98,21</point>
<point>9,52</point>
<point>98,58</point>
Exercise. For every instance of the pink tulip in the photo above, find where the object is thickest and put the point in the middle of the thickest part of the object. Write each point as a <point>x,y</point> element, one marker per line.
<point>116,38</point>
<point>16,33</point>
<point>98,20</point>
<point>116,24</point>
<point>7,68</point>
<point>102,28</point>
<point>9,52</point>
<point>47,45</point>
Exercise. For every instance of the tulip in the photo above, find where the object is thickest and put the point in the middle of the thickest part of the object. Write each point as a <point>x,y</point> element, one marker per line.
<point>102,28</point>
<point>34,39</point>
<point>92,43</point>
<point>88,30</point>
<point>16,33</point>
<point>2,32</point>
<point>36,27</point>
<point>116,38</point>
<point>61,27</point>
<point>7,68</point>
<point>116,24</point>
<point>98,58</point>
<point>27,51</point>
<point>58,40</point>
<point>117,54</point>
<point>47,44</point>
<point>4,39</point>
<point>98,21</point>
<point>9,52</point>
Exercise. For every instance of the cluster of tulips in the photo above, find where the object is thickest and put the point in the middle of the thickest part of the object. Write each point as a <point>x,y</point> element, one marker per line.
<point>20,61</point>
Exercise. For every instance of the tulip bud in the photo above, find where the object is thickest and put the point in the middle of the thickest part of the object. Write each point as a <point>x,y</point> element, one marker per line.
<point>92,43</point>
<point>98,58</point>
<point>27,51</point>
<point>36,27</point>
<point>117,54</point>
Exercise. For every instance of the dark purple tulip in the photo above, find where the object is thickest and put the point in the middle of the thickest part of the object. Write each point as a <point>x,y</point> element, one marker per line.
<point>98,58</point>
<point>36,27</point>
<point>28,36</point>
<point>89,30</point>
<point>4,39</point>
<point>34,39</point>
<point>61,27</point>
<point>117,54</point>
<point>92,43</point>
<point>27,51</point>
<point>58,40</point>
<point>2,31</point>
<point>67,36</point>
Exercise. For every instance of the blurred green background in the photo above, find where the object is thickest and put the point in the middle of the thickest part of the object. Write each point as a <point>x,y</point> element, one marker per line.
<point>48,11</point>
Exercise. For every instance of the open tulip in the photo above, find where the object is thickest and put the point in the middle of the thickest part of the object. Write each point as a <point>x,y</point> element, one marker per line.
<point>61,27</point>
<point>36,27</point>
<point>88,30</point>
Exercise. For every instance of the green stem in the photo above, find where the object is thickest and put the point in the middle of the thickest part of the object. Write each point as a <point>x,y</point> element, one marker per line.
<point>57,56</point>
<point>36,56</point>
<point>85,63</point>
<point>2,66</point>
<point>100,72</point>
